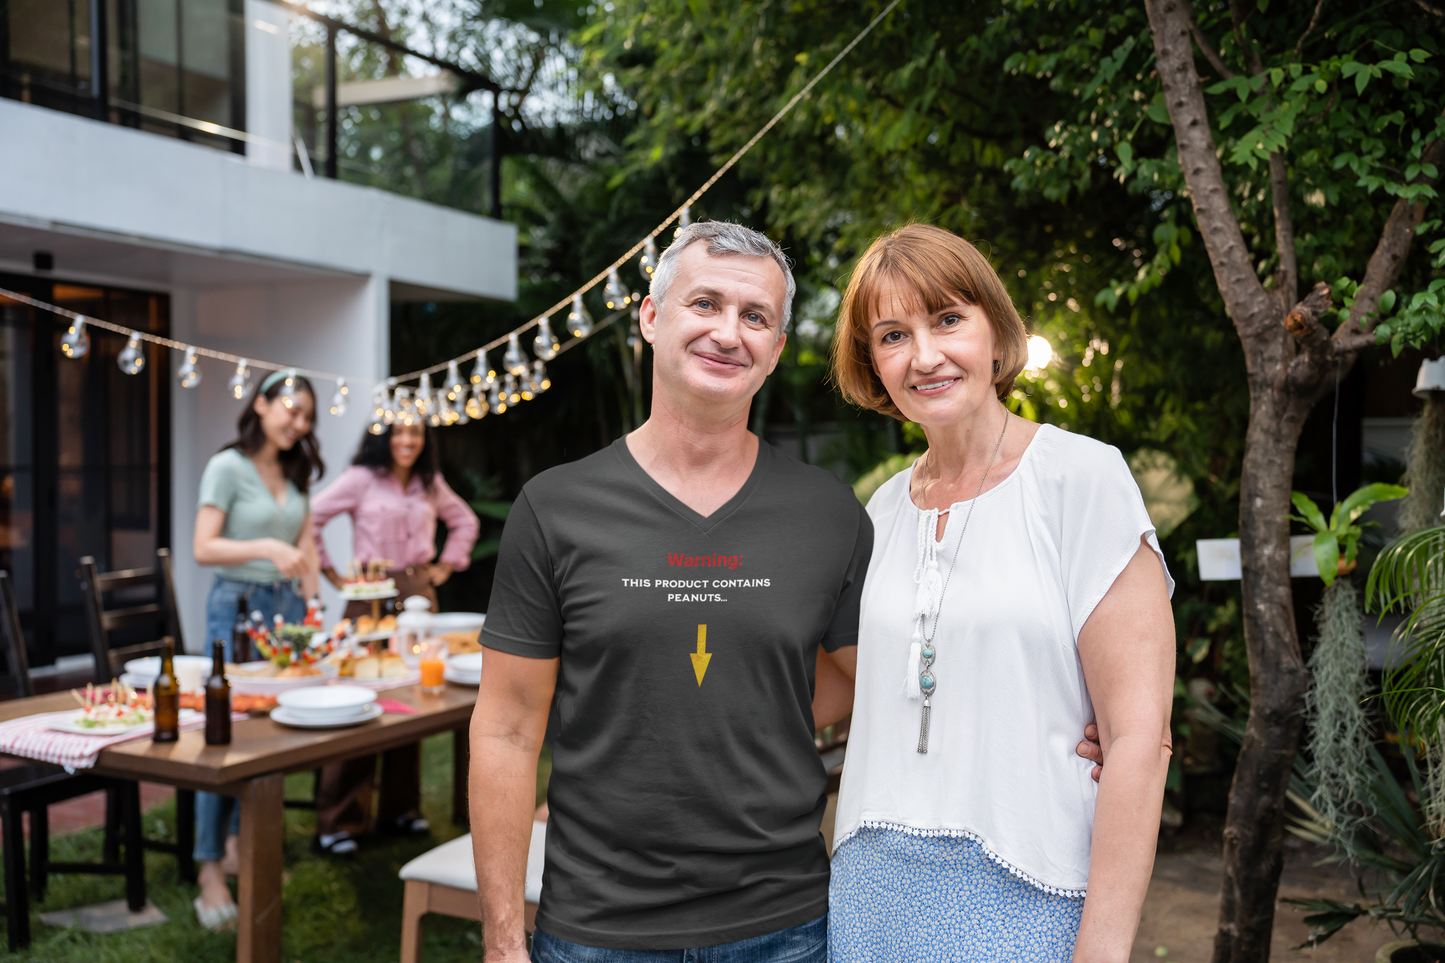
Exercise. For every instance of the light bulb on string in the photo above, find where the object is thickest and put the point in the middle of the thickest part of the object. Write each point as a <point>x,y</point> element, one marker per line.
<point>482,373</point>
<point>445,414</point>
<point>514,360</point>
<point>388,406</point>
<point>509,388</point>
<point>435,419</point>
<point>75,343</point>
<point>132,359</point>
<point>456,384</point>
<point>188,373</point>
<point>338,400</point>
<point>240,382</point>
<point>288,389</point>
<point>613,295</point>
<point>424,402</point>
<point>476,407</point>
<point>544,345</point>
<point>495,401</point>
<point>377,425</point>
<point>540,381</point>
<point>405,409</point>
<point>683,219</point>
<point>647,263</point>
<point>579,322</point>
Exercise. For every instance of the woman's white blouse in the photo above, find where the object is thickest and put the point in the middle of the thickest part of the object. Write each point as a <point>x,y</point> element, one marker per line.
<point>1041,550</point>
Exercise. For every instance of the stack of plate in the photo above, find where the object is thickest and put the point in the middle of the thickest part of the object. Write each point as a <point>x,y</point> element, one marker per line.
<point>326,707</point>
<point>464,669</point>
<point>141,673</point>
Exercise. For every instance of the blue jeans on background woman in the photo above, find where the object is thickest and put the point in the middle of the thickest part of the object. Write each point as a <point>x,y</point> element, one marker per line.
<point>216,815</point>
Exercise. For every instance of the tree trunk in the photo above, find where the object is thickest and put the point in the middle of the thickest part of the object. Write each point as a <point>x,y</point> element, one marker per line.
<point>1254,827</point>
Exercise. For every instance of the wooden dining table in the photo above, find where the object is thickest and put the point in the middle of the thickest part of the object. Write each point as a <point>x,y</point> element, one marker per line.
<point>252,769</point>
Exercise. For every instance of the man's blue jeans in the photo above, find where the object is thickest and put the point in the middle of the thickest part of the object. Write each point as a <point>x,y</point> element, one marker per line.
<point>215,815</point>
<point>807,943</point>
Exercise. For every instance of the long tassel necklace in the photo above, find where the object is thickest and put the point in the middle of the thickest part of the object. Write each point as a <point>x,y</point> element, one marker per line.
<point>923,651</point>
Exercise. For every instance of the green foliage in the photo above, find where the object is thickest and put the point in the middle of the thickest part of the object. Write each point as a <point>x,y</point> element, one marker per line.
<point>1351,110</point>
<point>1409,576</point>
<point>1340,531</point>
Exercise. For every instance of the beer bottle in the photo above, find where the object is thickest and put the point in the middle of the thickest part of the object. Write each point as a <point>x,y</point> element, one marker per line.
<point>241,633</point>
<point>218,699</point>
<point>166,696</point>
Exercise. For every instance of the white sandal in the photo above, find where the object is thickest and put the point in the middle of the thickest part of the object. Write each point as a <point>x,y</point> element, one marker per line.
<point>215,918</point>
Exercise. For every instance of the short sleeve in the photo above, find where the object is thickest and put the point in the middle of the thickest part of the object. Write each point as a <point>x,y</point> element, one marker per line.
<point>1103,519</point>
<point>843,629</point>
<point>524,616</point>
<point>218,481</point>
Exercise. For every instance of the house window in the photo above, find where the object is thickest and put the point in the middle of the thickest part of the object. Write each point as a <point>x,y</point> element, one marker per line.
<point>174,67</point>
<point>85,451</point>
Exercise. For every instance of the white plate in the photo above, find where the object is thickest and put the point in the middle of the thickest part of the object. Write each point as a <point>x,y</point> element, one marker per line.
<point>66,725</point>
<point>327,703</point>
<point>148,668</point>
<point>138,682</point>
<point>469,663</point>
<point>280,715</point>
<point>251,685</point>
<point>462,678</point>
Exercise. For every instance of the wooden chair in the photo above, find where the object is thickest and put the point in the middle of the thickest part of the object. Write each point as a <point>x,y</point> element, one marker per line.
<point>444,880</point>
<point>33,786</point>
<point>128,614</point>
<point>158,613</point>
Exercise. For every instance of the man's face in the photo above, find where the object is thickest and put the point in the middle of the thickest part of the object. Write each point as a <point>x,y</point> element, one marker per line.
<point>720,332</point>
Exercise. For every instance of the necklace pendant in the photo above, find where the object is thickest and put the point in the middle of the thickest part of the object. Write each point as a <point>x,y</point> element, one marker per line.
<point>926,685</point>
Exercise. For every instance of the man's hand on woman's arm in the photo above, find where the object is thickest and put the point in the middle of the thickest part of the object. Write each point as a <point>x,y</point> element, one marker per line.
<point>508,726</point>
<point>833,685</point>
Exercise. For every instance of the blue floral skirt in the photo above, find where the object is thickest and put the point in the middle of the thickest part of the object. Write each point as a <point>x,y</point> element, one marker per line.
<point>901,898</point>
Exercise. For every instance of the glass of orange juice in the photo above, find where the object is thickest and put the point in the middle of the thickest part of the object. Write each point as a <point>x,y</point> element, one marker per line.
<point>430,652</point>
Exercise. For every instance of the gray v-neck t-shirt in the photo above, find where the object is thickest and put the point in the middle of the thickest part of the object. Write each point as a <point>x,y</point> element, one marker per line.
<point>232,484</point>
<point>686,793</point>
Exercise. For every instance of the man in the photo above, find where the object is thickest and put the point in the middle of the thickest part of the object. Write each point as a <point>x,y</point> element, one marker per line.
<point>671,592</point>
<point>680,595</point>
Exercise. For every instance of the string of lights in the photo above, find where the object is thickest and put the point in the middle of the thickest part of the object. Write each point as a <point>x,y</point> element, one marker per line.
<point>457,399</point>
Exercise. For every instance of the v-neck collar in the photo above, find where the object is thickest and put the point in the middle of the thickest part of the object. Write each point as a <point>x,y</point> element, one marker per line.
<point>706,523</point>
<point>290,489</point>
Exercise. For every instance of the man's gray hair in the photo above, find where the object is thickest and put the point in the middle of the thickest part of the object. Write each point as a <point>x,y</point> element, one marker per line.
<point>723,239</point>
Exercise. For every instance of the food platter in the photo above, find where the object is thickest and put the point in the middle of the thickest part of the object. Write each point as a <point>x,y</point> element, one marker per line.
<point>71,726</point>
<point>360,595</point>
<point>250,684</point>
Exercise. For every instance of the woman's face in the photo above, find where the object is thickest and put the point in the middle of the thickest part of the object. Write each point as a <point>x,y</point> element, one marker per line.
<point>283,426</point>
<point>936,366</point>
<point>407,442</point>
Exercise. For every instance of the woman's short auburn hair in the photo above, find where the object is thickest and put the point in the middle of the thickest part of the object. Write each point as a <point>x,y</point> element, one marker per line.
<point>940,268</point>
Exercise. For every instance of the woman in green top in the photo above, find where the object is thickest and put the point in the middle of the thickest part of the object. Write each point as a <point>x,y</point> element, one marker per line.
<point>254,524</point>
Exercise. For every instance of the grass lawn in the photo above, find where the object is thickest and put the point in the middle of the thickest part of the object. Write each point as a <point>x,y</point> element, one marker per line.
<point>335,910</point>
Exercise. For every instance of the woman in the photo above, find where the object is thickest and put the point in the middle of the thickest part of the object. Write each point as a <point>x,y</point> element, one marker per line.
<point>394,495</point>
<point>253,524</point>
<point>1016,593</point>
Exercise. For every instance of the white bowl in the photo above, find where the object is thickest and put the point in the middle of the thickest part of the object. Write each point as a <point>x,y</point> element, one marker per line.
<point>251,685</point>
<point>322,703</point>
<point>468,664</point>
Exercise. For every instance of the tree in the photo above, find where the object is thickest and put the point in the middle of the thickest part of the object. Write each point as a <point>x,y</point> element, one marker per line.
<point>1292,355</point>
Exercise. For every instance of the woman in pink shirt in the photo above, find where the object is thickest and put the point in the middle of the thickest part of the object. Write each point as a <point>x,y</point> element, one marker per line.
<point>394,495</point>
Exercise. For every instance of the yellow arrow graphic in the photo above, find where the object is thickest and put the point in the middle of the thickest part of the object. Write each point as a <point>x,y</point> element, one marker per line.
<point>702,656</point>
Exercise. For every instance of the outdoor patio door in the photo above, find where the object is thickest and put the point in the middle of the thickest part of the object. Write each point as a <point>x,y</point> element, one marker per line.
<point>84,453</point>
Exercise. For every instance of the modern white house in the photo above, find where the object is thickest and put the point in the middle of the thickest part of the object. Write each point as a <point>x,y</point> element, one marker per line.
<point>170,200</point>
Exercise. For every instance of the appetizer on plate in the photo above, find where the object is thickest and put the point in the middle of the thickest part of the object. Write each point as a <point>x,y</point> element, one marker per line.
<point>461,643</point>
<point>118,707</point>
